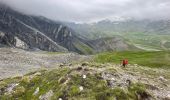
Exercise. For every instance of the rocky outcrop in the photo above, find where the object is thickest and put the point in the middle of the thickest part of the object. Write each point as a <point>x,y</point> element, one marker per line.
<point>20,44</point>
<point>7,39</point>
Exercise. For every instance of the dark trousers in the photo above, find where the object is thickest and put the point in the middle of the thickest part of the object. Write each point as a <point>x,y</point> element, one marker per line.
<point>124,65</point>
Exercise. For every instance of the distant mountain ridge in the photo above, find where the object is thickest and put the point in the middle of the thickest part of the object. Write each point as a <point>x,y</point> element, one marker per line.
<point>148,35</point>
<point>104,27</point>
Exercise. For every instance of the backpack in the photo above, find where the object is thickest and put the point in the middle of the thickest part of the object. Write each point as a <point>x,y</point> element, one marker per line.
<point>125,61</point>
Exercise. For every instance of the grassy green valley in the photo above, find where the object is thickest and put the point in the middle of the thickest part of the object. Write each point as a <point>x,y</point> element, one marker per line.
<point>158,59</point>
<point>153,41</point>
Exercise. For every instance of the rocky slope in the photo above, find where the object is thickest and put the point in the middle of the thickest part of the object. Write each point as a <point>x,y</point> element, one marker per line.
<point>90,81</point>
<point>14,62</point>
<point>35,32</point>
<point>14,27</point>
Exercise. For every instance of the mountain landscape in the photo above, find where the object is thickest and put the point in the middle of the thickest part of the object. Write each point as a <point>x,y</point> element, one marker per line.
<point>140,33</point>
<point>32,32</point>
<point>45,59</point>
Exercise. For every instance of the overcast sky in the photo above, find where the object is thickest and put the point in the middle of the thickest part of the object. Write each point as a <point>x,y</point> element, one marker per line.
<point>93,10</point>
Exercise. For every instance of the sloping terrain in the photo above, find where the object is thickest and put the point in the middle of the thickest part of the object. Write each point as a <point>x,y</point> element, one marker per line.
<point>13,25</point>
<point>14,62</point>
<point>90,81</point>
<point>67,76</point>
<point>36,32</point>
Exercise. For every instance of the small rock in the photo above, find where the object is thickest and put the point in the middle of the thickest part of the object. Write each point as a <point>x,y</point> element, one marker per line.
<point>129,82</point>
<point>79,68</point>
<point>10,87</point>
<point>36,91</point>
<point>60,99</point>
<point>109,83</point>
<point>37,74</point>
<point>47,96</point>
<point>161,78</point>
<point>81,88</point>
<point>85,64</point>
<point>61,65</point>
<point>62,80</point>
<point>85,69</point>
<point>113,79</point>
<point>84,76</point>
<point>70,64</point>
<point>167,97</point>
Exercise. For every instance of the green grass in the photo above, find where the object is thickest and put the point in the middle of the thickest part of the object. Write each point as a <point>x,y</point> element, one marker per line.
<point>158,59</point>
<point>53,53</point>
<point>150,40</point>
<point>83,48</point>
<point>93,88</point>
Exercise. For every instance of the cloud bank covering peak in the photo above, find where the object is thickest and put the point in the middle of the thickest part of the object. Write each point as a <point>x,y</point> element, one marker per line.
<point>93,10</point>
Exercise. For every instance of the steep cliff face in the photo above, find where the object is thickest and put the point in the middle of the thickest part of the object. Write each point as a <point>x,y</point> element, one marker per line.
<point>39,32</point>
<point>6,39</point>
<point>62,35</point>
<point>22,27</point>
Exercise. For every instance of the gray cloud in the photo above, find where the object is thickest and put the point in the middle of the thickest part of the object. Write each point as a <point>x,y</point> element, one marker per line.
<point>93,10</point>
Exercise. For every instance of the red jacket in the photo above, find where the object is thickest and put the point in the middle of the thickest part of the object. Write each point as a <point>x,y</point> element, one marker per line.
<point>125,62</point>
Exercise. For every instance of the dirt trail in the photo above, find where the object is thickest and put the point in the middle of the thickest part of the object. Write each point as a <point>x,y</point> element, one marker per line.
<point>16,62</point>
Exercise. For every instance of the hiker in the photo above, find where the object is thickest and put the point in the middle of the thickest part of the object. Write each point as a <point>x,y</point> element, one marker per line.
<point>124,62</point>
